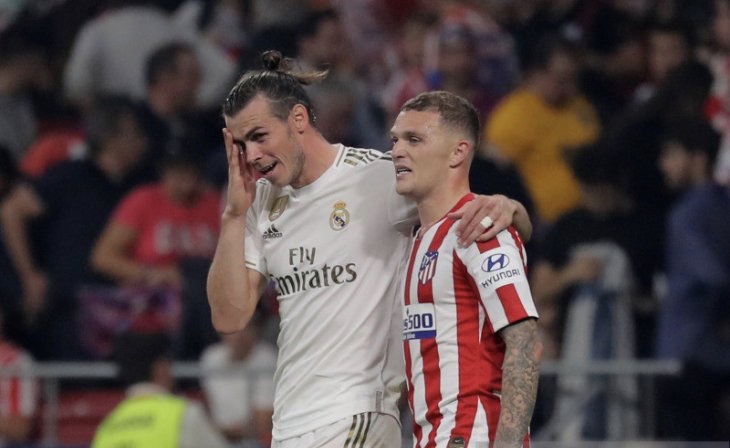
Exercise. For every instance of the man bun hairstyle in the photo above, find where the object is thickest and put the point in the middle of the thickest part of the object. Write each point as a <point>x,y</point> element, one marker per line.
<point>279,82</point>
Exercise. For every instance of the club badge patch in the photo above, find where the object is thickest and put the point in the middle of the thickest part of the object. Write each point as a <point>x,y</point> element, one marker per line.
<point>428,266</point>
<point>278,207</point>
<point>340,217</point>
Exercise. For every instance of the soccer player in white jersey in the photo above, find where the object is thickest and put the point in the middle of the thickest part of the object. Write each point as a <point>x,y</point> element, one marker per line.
<point>470,335</point>
<point>327,227</point>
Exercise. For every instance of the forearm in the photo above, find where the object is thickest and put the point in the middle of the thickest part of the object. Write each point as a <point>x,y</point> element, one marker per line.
<point>522,221</point>
<point>229,288</point>
<point>520,372</point>
<point>119,267</point>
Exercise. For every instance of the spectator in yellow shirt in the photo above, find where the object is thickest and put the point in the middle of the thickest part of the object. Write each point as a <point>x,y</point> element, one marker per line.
<point>539,124</point>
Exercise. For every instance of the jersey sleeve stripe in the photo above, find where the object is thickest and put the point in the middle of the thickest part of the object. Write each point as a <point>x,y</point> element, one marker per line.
<point>514,310</point>
<point>520,246</point>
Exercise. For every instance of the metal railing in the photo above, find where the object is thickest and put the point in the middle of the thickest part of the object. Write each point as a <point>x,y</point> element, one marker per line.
<point>50,374</point>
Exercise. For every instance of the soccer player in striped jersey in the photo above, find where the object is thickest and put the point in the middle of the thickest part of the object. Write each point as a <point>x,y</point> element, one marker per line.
<point>326,226</point>
<point>470,334</point>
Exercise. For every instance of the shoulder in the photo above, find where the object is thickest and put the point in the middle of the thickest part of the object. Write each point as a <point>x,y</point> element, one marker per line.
<point>151,193</point>
<point>359,157</point>
<point>697,202</point>
<point>66,169</point>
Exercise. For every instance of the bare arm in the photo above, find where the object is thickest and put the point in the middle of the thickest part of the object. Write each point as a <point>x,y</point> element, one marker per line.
<point>234,289</point>
<point>111,256</point>
<point>520,372</point>
<point>22,205</point>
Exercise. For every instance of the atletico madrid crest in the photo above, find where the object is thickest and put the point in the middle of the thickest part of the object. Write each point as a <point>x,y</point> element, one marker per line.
<point>428,266</point>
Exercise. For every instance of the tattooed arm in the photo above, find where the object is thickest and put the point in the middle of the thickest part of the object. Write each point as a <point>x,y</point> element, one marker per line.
<point>519,382</point>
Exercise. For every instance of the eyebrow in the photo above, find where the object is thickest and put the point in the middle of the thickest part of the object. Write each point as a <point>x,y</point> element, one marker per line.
<point>251,132</point>
<point>407,134</point>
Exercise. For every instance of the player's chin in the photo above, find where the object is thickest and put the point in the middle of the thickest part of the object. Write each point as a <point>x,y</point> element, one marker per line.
<point>401,188</point>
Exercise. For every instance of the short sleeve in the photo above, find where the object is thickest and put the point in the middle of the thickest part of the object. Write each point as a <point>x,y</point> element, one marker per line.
<point>254,244</point>
<point>498,269</point>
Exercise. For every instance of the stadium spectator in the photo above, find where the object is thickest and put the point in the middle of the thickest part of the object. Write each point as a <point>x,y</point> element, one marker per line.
<point>22,67</point>
<point>561,120</point>
<point>169,110</point>
<point>153,231</point>
<point>669,46</point>
<point>70,204</point>
<point>238,383</point>
<point>109,53</point>
<point>322,42</point>
<point>695,315</point>
<point>151,416</point>
<point>19,395</point>
<point>157,225</point>
<point>593,283</point>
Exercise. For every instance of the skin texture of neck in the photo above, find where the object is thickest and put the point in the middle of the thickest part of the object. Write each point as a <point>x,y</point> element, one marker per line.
<point>319,155</point>
<point>440,200</point>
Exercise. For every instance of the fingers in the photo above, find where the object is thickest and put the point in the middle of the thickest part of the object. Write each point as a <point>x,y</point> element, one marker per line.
<point>483,218</point>
<point>232,152</point>
<point>474,220</point>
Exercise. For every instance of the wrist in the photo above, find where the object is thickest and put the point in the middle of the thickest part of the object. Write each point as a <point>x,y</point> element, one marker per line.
<point>230,215</point>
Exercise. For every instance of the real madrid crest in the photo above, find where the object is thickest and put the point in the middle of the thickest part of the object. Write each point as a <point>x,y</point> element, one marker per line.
<point>278,207</point>
<point>340,217</point>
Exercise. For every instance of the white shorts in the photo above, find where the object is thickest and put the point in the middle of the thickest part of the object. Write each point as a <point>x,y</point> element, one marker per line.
<point>366,430</point>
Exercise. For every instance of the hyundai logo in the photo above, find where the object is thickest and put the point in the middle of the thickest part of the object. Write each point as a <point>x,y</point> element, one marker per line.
<point>495,262</point>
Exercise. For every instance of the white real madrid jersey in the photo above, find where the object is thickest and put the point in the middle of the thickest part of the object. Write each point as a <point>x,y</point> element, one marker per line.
<point>455,300</point>
<point>335,250</point>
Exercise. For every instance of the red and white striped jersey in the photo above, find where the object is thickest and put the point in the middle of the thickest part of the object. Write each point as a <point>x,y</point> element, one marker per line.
<point>455,301</point>
<point>18,395</point>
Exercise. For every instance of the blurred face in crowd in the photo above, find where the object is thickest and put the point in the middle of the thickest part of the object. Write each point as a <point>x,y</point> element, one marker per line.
<point>412,42</point>
<point>328,45</point>
<point>721,24</point>
<point>666,52</point>
<point>129,143</point>
<point>558,83</point>
<point>183,183</point>
<point>457,61</point>
<point>676,163</point>
<point>185,82</point>
<point>269,143</point>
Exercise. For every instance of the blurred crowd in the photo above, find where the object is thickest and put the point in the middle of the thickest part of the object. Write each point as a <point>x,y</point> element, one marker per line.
<point>608,119</point>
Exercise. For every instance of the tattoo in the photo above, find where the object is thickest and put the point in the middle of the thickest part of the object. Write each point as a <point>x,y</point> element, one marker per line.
<point>520,372</point>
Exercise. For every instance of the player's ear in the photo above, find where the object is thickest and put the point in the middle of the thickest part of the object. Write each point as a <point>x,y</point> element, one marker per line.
<point>300,118</point>
<point>460,153</point>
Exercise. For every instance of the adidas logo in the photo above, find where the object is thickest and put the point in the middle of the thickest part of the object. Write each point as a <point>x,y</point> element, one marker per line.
<point>272,232</point>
